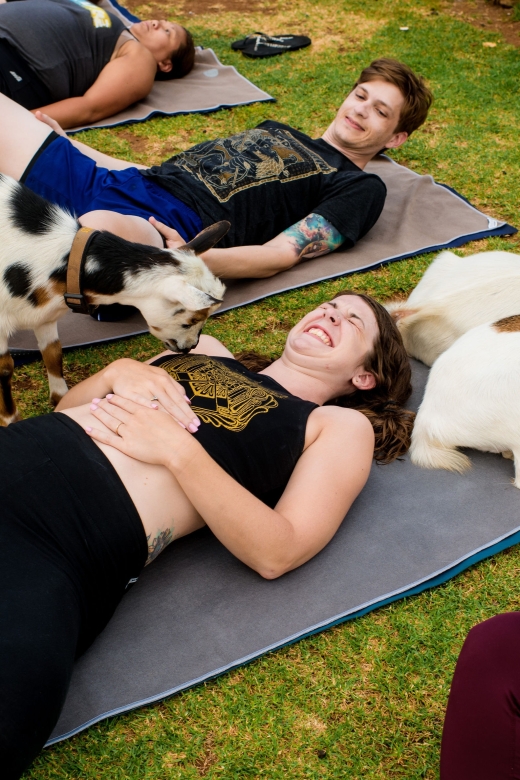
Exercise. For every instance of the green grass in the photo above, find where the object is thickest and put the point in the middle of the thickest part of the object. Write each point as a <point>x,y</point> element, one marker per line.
<point>365,699</point>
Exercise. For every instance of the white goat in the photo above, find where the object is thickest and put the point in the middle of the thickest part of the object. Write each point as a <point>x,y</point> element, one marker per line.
<point>174,289</point>
<point>454,295</point>
<point>472,399</point>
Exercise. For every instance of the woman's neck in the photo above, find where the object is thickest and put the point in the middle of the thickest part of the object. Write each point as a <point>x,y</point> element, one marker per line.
<point>299,382</point>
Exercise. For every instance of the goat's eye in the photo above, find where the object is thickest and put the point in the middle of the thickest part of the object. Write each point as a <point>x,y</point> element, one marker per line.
<point>186,326</point>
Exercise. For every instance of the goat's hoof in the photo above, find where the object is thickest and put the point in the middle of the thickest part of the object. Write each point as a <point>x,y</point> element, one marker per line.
<point>55,398</point>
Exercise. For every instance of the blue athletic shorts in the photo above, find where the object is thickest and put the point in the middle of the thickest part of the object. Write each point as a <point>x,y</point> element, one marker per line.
<point>62,174</point>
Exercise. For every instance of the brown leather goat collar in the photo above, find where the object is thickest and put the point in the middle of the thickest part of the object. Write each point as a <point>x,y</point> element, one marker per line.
<point>74,298</point>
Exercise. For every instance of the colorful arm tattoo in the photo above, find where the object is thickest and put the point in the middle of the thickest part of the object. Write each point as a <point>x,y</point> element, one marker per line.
<point>156,545</point>
<point>313,236</point>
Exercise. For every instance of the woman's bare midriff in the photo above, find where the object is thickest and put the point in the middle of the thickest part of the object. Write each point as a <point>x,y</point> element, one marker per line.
<point>162,505</point>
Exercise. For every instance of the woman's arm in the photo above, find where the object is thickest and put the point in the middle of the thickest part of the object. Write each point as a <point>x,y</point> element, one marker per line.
<point>329,475</point>
<point>123,81</point>
<point>140,382</point>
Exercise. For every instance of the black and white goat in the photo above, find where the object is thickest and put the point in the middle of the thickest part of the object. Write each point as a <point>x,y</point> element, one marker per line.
<point>174,289</point>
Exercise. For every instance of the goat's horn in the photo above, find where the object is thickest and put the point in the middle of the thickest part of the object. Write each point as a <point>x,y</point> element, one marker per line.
<point>207,238</point>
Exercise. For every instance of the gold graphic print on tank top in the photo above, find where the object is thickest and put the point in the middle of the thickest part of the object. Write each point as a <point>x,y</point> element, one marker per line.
<point>219,395</point>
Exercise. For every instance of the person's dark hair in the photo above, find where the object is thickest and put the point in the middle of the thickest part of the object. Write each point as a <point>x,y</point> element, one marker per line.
<point>417,97</point>
<point>383,405</point>
<point>182,61</point>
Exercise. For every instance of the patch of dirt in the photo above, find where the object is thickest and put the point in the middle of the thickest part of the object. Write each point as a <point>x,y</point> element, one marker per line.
<point>137,143</point>
<point>485,16</point>
<point>197,7</point>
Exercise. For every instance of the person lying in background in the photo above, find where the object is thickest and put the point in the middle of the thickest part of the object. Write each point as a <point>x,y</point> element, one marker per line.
<point>289,198</point>
<point>79,63</point>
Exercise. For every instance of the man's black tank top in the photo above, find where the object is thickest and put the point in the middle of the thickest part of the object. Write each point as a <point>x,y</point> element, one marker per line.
<point>67,43</point>
<point>250,425</point>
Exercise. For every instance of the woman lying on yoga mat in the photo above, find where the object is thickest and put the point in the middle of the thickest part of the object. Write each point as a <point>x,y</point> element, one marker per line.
<point>93,493</point>
<point>79,63</point>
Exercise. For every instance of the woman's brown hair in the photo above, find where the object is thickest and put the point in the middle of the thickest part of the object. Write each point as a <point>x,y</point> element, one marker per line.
<point>383,405</point>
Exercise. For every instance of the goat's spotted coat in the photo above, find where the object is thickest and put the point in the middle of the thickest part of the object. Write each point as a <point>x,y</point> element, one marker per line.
<point>173,289</point>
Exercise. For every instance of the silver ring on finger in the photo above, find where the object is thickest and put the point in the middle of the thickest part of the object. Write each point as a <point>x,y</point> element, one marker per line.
<point>118,427</point>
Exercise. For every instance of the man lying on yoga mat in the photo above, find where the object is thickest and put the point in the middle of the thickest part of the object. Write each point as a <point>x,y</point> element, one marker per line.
<point>288,197</point>
<point>79,63</point>
<point>93,493</point>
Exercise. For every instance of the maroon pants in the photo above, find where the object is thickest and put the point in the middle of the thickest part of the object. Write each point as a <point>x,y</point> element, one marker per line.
<point>481,738</point>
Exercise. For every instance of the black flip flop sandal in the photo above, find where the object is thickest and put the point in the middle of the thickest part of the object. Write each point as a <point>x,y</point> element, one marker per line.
<point>239,45</point>
<point>260,45</point>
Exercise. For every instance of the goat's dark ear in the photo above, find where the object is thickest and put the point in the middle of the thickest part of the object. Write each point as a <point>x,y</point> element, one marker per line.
<point>207,238</point>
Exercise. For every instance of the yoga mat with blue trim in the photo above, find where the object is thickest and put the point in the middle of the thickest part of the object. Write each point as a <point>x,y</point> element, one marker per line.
<point>197,612</point>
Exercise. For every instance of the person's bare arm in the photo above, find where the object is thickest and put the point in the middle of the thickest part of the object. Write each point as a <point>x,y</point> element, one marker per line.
<point>327,478</point>
<point>123,81</point>
<point>102,160</point>
<point>127,226</point>
<point>140,382</point>
<point>310,237</point>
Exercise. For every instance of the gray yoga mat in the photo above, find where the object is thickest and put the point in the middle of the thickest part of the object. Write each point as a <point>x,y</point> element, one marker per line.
<point>208,87</point>
<point>409,530</point>
<point>419,216</point>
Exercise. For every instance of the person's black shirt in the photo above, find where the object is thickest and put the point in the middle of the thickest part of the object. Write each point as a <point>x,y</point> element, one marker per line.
<point>266,179</point>
<point>250,425</point>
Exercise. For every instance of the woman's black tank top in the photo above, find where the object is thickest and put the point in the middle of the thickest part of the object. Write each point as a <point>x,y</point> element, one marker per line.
<point>67,43</point>
<point>250,425</point>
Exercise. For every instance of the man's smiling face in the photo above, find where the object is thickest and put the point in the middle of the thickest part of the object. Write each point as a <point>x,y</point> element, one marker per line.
<point>367,120</point>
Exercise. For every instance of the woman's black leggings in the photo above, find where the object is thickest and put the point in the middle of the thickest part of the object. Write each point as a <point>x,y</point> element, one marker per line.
<point>70,541</point>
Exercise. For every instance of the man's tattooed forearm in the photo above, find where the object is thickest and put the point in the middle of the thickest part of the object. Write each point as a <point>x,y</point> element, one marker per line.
<point>314,236</point>
<point>156,545</point>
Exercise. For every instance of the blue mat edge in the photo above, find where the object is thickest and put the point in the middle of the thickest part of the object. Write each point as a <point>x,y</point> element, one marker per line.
<point>126,13</point>
<point>152,114</point>
<point>487,552</point>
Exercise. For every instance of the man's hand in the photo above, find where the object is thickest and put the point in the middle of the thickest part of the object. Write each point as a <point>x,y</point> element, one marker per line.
<point>172,238</point>
<point>47,120</point>
<point>310,237</point>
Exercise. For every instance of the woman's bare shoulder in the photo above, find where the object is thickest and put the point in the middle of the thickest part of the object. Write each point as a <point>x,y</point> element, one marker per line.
<point>336,422</point>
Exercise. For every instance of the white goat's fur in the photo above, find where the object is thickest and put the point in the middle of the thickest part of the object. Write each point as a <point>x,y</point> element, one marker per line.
<point>174,289</point>
<point>454,295</point>
<point>472,399</point>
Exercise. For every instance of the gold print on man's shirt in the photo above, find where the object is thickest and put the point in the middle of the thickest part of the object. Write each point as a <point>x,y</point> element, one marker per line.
<point>219,395</point>
<point>248,159</point>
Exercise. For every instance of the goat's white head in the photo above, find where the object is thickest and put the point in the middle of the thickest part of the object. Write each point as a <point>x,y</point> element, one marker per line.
<point>189,293</point>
